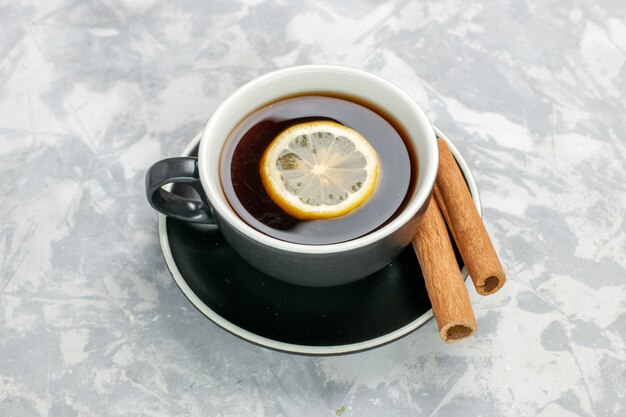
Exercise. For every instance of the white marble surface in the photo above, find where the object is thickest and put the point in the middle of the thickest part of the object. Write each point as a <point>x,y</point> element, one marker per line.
<point>93,92</point>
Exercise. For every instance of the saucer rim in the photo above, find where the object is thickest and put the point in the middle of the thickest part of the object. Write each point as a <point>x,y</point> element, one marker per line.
<point>290,347</point>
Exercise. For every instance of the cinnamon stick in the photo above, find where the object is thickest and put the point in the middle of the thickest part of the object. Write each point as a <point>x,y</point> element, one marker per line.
<point>467,227</point>
<point>444,283</point>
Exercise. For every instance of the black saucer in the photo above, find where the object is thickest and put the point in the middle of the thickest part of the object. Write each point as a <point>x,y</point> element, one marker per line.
<point>331,320</point>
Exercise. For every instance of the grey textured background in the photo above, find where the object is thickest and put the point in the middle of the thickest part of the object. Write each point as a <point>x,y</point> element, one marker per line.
<point>93,92</point>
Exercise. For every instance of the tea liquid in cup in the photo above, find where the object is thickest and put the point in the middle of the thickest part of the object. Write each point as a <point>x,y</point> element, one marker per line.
<point>241,177</point>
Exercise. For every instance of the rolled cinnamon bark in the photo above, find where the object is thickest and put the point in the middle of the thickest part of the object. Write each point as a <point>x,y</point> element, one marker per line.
<point>467,227</point>
<point>444,283</point>
<point>444,211</point>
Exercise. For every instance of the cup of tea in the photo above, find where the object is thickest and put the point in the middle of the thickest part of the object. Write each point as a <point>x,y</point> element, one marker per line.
<point>316,175</point>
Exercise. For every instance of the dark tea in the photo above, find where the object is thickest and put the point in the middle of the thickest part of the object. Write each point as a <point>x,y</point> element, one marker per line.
<point>244,189</point>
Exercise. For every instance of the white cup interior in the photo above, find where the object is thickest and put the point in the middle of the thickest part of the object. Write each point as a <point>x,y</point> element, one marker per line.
<point>313,79</point>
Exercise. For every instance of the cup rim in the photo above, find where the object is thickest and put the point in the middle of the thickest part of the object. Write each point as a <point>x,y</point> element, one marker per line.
<point>427,174</point>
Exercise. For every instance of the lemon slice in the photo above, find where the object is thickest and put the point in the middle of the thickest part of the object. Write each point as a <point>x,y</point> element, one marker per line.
<point>319,170</point>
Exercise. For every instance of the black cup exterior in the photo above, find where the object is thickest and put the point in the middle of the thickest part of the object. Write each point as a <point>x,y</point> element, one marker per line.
<point>319,269</point>
<point>295,267</point>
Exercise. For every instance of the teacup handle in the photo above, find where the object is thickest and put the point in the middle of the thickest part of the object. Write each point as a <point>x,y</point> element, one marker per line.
<point>183,170</point>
